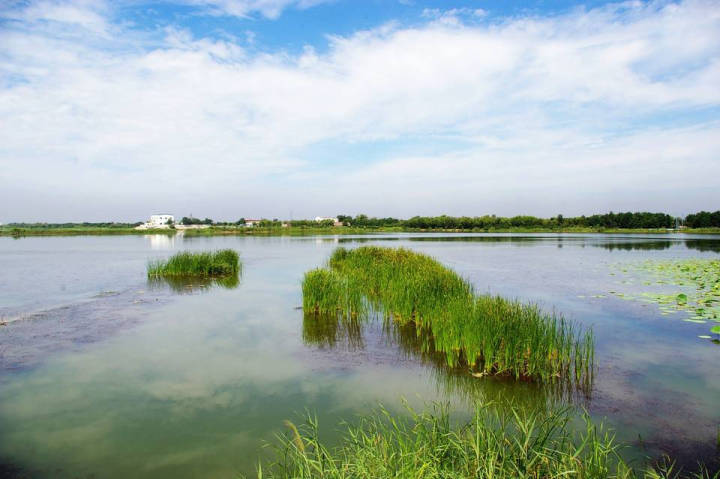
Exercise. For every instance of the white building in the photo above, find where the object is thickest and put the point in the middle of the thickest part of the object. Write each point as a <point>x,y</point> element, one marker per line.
<point>159,220</point>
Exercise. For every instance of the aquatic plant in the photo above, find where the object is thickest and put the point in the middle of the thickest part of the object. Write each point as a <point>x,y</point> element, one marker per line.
<point>205,264</point>
<point>488,334</point>
<point>691,285</point>
<point>495,443</point>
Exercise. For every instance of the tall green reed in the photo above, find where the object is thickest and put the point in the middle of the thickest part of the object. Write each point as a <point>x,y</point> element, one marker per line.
<point>498,442</point>
<point>217,263</point>
<point>489,334</point>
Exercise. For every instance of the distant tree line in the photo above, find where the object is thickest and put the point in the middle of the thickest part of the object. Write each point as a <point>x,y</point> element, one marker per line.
<point>627,220</point>
<point>274,223</point>
<point>195,221</point>
<point>365,221</point>
<point>312,223</point>
<point>703,219</point>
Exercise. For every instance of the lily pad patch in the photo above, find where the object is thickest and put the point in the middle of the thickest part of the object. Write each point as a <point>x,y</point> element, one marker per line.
<point>691,286</point>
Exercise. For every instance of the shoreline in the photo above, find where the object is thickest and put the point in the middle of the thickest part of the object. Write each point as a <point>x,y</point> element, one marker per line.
<point>333,230</point>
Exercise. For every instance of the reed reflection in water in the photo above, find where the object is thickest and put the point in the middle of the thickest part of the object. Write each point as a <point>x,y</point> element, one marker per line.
<point>343,333</point>
<point>193,284</point>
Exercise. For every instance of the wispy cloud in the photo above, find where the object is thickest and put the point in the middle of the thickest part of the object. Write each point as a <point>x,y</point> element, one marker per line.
<point>246,8</point>
<point>580,109</point>
<point>87,15</point>
<point>453,15</point>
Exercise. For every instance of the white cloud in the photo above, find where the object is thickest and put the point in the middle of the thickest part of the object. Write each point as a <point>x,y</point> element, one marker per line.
<point>86,14</point>
<point>452,15</point>
<point>547,170</point>
<point>245,8</point>
<point>561,107</point>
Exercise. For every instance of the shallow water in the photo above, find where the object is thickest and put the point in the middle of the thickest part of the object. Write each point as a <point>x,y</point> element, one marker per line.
<point>105,375</point>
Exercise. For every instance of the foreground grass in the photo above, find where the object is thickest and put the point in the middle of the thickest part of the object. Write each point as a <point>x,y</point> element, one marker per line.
<point>489,334</point>
<point>496,443</point>
<point>218,263</point>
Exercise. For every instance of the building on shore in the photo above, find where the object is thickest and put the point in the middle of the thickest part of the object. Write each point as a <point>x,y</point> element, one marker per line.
<point>251,222</point>
<point>159,221</point>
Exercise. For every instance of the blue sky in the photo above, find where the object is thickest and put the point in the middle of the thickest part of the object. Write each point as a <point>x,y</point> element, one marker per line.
<point>110,110</point>
<point>300,25</point>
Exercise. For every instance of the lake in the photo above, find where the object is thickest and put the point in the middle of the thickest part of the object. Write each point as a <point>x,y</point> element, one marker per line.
<point>103,374</point>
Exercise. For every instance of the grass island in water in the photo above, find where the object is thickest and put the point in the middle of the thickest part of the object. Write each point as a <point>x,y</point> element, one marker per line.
<point>205,264</point>
<point>488,334</point>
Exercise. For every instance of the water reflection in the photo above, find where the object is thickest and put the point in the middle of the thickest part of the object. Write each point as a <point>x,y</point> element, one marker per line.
<point>161,242</point>
<point>661,244</point>
<point>640,246</point>
<point>34,337</point>
<point>322,331</point>
<point>656,245</point>
<point>605,242</point>
<point>194,284</point>
<point>343,333</point>
<point>703,245</point>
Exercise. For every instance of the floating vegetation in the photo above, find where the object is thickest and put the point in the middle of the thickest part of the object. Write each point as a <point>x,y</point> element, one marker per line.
<point>206,264</point>
<point>691,286</point>
<point>488,334</point>
<point>496,443</point>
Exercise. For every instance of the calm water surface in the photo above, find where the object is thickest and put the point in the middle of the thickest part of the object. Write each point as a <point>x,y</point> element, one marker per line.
<point>105,375</point>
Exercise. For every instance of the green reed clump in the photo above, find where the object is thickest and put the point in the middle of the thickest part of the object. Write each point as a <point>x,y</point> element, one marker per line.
<point>499,442</point>
<point>217,263</point>
<point>490,334</point>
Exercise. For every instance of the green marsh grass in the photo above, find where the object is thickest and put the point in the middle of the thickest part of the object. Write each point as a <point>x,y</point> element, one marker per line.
<point>498,442</point>
<point>489,334</point>
<point>188,264</point>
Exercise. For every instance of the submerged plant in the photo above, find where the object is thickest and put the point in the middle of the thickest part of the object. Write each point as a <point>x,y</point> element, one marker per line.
<point>488,334</point>
<point>205,264</point>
